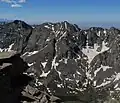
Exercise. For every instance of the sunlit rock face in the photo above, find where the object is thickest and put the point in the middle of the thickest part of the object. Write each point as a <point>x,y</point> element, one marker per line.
<point>65,61</point>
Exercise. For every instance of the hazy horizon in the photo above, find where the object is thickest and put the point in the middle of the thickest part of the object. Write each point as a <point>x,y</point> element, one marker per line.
<point>86,12</point>
<point>83,25</point>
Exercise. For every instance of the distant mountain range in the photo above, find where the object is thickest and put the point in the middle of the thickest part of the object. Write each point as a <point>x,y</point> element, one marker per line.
<point>5,21</point>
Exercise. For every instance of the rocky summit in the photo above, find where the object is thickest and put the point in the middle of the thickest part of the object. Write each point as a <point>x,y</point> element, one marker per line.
<point>59,63</point>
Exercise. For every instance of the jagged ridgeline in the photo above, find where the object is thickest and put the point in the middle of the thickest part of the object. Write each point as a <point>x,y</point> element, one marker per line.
<point>66,64</point>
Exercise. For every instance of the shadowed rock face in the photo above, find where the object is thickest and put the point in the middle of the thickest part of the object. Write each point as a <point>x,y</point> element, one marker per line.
<point>14,86</point>
<point>12,79</point>
<point>65,61</point>
<point>17,64</point>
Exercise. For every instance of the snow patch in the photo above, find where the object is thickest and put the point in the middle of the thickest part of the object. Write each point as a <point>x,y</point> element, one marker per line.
<point>96,71</point>
<point>74,75</point>
<point>44,74</point>
<point>98,34</point>
<point>31,74</point>
<point>47,40</point>
<point>88,75</point>
<point>63,35</point>
<point>60,86</point>
<point>103,84</point>
<point>92,52</point>
<point>48,89</point>
<point>10,47</point>
<point>59,73</point>
<point>80,89</point>
<point>104,68</point>
<point>85,32</point>
<point>1,50</point>
<point>65,25</point>
<point>116,86</point>
<point>53,28</point>
<point>30,64</point>
<point>38,83</point>
<point>33,27</point>
<point>32,53</point>
<point>65,60</point>
<point>104,47</point>
<point>117,77</point>
<point>77,81</point>
<point>46,26</point>
<point>68,79</point>
<point>54,64</point>
<point>57,32</point>
<point>78,73</point>
<point>94,83</point>
<point>105,32</point>
<point>117,89</point>
<point>44,64</point>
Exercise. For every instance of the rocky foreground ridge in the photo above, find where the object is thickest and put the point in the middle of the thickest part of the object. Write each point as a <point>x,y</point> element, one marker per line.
<point>59,62</point>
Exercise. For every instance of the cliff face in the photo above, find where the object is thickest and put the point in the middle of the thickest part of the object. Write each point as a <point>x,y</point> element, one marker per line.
<point>65,61</point>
